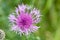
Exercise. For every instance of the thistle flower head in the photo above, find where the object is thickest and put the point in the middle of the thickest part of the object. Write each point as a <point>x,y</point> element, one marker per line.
<point>2,34</point>
<point>24,18</point>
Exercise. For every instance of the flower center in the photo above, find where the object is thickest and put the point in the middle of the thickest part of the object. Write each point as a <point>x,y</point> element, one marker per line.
<point>24,21</point>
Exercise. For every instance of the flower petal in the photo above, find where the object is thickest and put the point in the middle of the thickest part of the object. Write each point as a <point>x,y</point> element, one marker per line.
<point>33,28</point>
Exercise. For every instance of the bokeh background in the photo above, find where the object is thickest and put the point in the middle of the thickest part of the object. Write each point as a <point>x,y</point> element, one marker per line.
<point>50,21</point>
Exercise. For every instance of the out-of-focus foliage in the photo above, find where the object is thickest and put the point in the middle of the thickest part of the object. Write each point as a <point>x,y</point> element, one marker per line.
<point>50,21</point>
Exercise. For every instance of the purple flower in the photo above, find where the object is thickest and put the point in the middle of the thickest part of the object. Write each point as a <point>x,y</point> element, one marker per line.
<point>24,19</point>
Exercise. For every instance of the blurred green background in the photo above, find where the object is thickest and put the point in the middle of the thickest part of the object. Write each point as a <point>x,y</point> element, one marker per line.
<point>50,21</point>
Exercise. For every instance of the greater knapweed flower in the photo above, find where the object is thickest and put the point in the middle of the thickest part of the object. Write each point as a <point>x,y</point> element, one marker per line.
<point>24,18</point>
